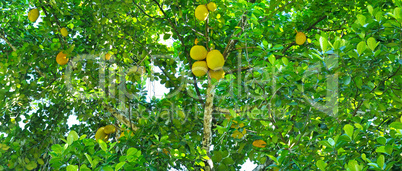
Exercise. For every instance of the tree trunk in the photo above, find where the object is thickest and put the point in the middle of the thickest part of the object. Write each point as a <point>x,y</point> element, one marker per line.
<point>207,139</point>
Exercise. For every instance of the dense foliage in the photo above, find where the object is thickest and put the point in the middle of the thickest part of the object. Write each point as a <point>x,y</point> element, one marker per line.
<point>332,103</point>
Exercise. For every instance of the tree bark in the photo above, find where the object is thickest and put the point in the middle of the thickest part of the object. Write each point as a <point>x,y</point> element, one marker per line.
<point>207,139</point>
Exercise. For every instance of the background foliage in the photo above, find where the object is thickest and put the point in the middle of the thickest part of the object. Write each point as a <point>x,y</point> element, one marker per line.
<point>333,103</point>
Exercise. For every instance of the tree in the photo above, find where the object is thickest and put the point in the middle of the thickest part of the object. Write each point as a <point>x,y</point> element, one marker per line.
<point>331,101</point>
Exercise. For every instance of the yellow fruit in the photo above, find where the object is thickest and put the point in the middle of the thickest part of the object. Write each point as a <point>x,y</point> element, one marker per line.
<point>217,74</point>
<point>199,68</point>
<point>211,6</point>
<point>61,58</point>
<point>64,32</point>
<point>198,52</point>
<point>100,134</point>
<point>215,60</point>
<point>107,56</point>
<point>109,129</point>
<point>300,38</point>
<point>201,12</point>
<point>33,14</point>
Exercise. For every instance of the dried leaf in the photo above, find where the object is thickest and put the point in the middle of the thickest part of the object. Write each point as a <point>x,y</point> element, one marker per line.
<point>259,143</point>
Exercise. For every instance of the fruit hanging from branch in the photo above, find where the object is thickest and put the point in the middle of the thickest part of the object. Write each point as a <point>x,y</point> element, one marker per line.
<point>33,14</point>
<point>109,129</point>
<point>198,52</point>
<point>300,38</point>
<point>219,74</point>
<point>211,6</point>
<point>100,134</point>
<point>64,32</point>
<point>215,60</point>
<point>199,68</point>
<point>201,12</point>
<point>61,58</point>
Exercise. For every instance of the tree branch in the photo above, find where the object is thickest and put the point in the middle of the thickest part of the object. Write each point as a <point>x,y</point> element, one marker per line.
<point>382,82</point>
<point>232,42</point>
<point>144,11</point>
<point>238,69</point>
<point>327,29</point>
<point>197,89</point>
<point>120,117</point>
<point>6,40</point>
<point>202,34</point>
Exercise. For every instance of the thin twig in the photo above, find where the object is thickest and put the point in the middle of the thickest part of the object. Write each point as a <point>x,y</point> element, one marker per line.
<point>308,29</point>
<point>145,12</point>
<point>57,22</point>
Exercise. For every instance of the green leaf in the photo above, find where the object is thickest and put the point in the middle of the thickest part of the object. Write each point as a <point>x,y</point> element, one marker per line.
<point>285,60</point>
<point>398,13</point>
<point>337,44</point>
<point>274,159</point>
<point>396,125</point>
<point>107,168</point>
<point>72,136</point>
<point>372,44</point>
<point>359,82</point>
<point>103,145</point>
<point>361,19</point>
<point>272,59</point>
<point>380,149</point>
<point>72,168</point>
<point>222,167</point>
<point>323,44</point>
<point>358,126</point>
<point>216,157</point>
<point>14,54</point>
<point>131,151</point>
<point>349,130</point>
<point>325,143</point>
<point>228,161</point>
<point>166,36</point>
<point>380,161</point>
<point>331,142</point>
<point>361,47</point>
<point>370,9</point>
<point>347,80</point>
<point>389,149</point>
<point>381,140</point>
<point>364,157</point>
<point>89,159</point>
<point>57,148</point>
<point>119,165</point>
<point>84,168</point>
<point>378,16</point>
<point>375,165</point>
<point>353,165</point>
<point>321,165</point>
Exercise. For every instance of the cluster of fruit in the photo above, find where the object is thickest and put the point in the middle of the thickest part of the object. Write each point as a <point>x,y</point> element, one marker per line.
<point>103,132</point>
<point>61,57</point>
<point>206,62</point>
